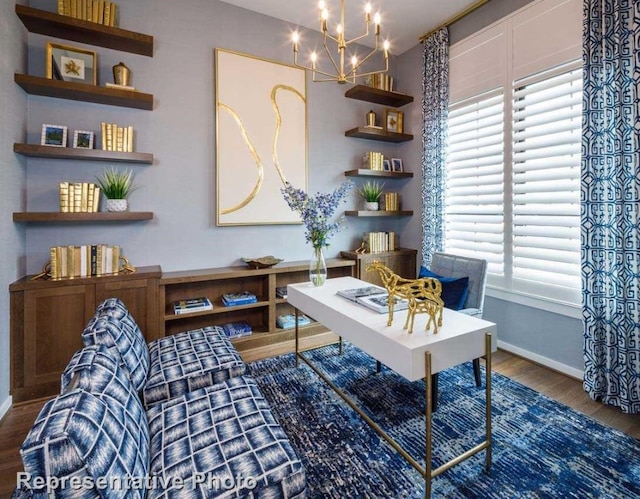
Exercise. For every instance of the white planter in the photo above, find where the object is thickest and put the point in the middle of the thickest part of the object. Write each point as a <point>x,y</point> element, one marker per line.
<point>117,205</point>
<point>371,205</point>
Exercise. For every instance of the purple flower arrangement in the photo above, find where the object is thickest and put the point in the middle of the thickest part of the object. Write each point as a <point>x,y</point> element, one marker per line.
<point>317,211</point>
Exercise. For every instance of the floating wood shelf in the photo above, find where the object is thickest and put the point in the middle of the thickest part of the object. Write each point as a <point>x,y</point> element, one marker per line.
<point>377,134</point>
<point>69,28</point>
<point>37,85</point>
<point>58,217</point>
<point>378,96</point>
<point>364,172</point>
<point>379,213</point>
<point>38,151</point>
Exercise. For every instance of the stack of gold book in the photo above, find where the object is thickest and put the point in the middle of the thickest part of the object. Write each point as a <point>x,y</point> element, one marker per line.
<point>89,260</point>
<point>95,11</point>
<point>381,81</point>
<point>79,197</point>
<point>379,242</point>
<point>391,201</point>
<point>372,160</point>
<point>116,138</point>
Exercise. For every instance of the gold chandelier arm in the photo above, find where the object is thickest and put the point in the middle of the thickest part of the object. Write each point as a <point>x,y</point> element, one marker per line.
<point>333,61</point>
<point>359,37</point>
<point>386,68</point>
<point>360,63</point>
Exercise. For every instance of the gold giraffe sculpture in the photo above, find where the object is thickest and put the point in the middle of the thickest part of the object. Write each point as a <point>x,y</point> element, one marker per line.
<point>422,294</point>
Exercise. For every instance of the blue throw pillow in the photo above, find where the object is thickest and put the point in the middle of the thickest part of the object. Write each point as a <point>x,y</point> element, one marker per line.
<point>454,289</point>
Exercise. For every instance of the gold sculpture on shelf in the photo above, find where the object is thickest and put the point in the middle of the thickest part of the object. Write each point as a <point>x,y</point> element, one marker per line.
<point>422,294</point>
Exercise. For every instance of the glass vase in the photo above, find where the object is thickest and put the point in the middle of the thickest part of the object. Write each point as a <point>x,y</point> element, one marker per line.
<point>317,267</point>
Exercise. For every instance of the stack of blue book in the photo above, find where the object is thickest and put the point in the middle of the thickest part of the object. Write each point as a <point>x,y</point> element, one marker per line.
<point>242,298</point>
<point>287,321</point>
<point>237,329</point>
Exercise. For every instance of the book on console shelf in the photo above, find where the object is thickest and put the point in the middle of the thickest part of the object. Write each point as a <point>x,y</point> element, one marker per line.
<point>288,321</point>
<point>192,305</point>
<point>242,298</point>
<point>374,298</point>
<point>281,291</point>
<point>237,329</point>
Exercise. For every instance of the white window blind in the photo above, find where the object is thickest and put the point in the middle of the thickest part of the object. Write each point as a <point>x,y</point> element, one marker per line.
<point>547,127</point>
<point>519,209</point>
<point>474,198</point>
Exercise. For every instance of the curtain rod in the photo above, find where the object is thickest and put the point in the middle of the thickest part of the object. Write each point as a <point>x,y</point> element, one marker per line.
<point>455,18</point>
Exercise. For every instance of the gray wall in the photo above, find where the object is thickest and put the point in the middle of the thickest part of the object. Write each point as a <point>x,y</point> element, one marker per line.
<point>540,332</point>
<point>180,187</point>
<point>13,111</point>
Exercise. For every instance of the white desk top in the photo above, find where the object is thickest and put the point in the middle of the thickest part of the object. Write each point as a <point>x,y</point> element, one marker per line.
<point>460,338</point>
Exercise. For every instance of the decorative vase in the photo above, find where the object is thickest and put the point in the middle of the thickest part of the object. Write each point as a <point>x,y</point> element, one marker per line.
<point>371,205</point>
<point>117,205</point>
<point>121,74</point>
<point>317,267</point>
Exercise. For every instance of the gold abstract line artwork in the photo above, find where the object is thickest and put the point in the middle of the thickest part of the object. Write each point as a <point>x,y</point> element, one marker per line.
<point>276,110</point>
<point>256,158</point>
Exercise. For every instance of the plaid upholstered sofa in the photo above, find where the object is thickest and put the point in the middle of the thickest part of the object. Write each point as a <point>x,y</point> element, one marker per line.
<point>97,438</point>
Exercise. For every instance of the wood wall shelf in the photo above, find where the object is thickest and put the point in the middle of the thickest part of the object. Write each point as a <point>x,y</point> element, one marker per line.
<point>364,172</point>
<point>37,85</point>
<point>377,134</point>
<point>51,24</point>
<point>379,213</point>
<point>102,216</point>
<point>38,151</point>
<point>378,96</point>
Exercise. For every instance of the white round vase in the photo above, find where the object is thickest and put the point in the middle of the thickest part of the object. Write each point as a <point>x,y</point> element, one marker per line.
<point>371,205</point>
<point>117,205</point>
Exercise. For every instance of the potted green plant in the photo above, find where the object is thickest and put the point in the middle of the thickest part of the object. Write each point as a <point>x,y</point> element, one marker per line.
<point>116,186</point>
<point>370,193</point>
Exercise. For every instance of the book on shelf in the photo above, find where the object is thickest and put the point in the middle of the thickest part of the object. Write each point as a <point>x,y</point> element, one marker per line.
<point>374,298</point>
<point>114,137</point>
<point>191,305</point>
<point>288,321</point>
<point>89,260</point>
<point>281,291</point>
<point>241,298</point>
<point>237,329</point>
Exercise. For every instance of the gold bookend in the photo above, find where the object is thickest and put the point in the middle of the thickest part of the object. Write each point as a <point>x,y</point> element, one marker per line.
<point>422,294</point>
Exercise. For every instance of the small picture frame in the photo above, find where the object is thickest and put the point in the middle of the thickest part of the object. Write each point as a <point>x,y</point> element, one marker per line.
<point>396,165</point>
<point>54,135</point>
<point>393,120</point>
<point>386,165</point>
<point>82,139</point>
<point>71,64</point>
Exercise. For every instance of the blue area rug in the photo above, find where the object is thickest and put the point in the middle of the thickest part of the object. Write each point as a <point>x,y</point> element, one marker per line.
<point>540,448</point>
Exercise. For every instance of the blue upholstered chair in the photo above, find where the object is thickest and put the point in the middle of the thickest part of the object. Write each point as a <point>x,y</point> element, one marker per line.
<point>168,367</point>
<point>456,266</point>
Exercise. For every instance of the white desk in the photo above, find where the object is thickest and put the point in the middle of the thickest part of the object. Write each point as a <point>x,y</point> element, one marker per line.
<point>415,356</point>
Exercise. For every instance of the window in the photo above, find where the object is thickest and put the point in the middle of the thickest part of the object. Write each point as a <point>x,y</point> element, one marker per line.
<point>513,185</point>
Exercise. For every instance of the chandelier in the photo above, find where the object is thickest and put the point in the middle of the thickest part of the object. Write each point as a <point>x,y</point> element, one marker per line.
<point>339,73</point>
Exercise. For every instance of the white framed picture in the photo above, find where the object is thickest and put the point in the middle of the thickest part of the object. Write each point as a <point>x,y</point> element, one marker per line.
<point>386,165</point>
<point>54,135</point>
<point>82,139</point>
<point>396,165</point>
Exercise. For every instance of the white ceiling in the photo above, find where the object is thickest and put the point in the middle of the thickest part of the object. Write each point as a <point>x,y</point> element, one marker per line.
<point>403,21</point>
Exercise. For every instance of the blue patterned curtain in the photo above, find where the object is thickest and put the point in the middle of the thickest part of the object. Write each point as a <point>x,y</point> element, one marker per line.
<point>435,103</point>
<point>611,202</point>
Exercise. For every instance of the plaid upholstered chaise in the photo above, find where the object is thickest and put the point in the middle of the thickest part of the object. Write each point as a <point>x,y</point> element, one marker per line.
<point>168,367</point>
<point>218,441</point>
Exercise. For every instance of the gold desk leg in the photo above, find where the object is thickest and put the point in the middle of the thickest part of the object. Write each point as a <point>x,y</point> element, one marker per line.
<point>427,469</point>
<point>487,351</point>
<point>297,340</point>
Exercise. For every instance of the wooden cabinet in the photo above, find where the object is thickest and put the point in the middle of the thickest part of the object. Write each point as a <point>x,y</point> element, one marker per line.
<point>48,317</point>
<point>401,261</point>
<point>266,338</point>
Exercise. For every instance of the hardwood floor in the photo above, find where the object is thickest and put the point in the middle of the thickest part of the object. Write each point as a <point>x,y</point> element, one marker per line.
<point>16,423</point>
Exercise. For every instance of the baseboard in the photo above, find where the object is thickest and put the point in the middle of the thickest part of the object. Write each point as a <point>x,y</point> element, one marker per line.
<point>544,361</point>
<point>6,405</point>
